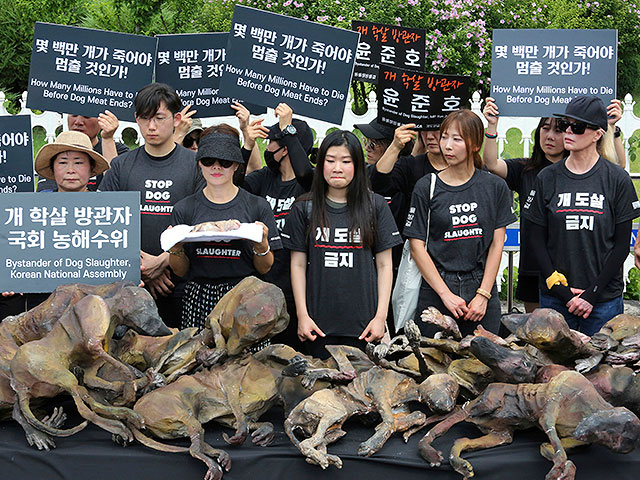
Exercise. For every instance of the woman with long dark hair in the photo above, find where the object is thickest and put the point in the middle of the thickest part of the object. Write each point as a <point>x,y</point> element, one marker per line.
<point>581,210</point>
<point>340,235</point>
<point>465,217</point>
<point>520,174</point>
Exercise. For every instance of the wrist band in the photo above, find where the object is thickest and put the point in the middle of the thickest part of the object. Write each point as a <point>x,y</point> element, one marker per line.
<point>179,252</point>
<point>556,278</point>
<point>490,135</point>
<point>617,133</point>
<point>484,293</point>
<point>263,253</point>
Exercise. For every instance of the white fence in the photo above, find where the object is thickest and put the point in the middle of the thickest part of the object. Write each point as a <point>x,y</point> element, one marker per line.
<point>52,122</point>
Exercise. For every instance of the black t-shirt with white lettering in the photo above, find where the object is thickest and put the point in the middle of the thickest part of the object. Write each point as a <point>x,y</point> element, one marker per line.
<point>161,181</point>
<point>522,181</point>
<point>269,185</point>
<point>463,219</point>
<point>580,213</point>
<point>342,288</point>
<point>229,260</point>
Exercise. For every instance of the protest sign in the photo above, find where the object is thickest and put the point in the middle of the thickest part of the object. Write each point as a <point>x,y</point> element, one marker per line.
<point>273,58</point>
<point>407,96</point>
<point>388,45</point>
<point>91,238</point>
<point>16,154</point>
<point>85,72</point>
<point>193,65</point>
<point>535,73</point>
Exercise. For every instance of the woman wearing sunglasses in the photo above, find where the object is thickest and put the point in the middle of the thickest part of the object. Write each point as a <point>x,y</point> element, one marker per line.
<point>520,174</point>
<point>581,209</point>
<point>213,268</point>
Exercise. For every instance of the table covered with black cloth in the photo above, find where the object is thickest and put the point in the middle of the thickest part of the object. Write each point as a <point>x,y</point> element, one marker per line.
<point>91,454</point>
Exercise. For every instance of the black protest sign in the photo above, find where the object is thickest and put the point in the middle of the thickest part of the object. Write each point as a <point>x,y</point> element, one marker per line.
<point>407,96</point>
<point>50,239</point>
<point>193,65</point>
<point>273,58</point>
<point>85,72</point>
<point>388,45</point>
<point>535,73</point>
<point>16,154</point>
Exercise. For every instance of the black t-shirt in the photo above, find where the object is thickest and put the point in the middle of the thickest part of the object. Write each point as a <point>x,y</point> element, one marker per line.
<point>161,181</point>
<point>342,288</point>
<point>269,185</point>
<point>463,219</point>
<point>580,213</point>
<point>46,185</point>
<point>398,184</point>
<point>522,181</point>
<point>233,259</point>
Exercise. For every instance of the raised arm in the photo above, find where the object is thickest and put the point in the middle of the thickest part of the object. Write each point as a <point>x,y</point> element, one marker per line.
<point>495,165</point>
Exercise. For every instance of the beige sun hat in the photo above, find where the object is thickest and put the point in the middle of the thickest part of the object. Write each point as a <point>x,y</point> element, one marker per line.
<point>66,141</point>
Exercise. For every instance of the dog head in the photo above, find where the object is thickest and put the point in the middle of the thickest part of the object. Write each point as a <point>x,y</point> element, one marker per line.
<point>617,429</point>
<point>439,392</point>
<point>134,307</point>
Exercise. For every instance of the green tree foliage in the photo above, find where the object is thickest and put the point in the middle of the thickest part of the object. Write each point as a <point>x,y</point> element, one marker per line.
<point>16,24</point>
<point>458,31</point>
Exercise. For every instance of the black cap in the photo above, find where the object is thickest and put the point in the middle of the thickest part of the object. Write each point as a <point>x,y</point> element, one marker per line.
<point>375,130</point>
<point>587,109</point>
<point>303,133</point>
<point>221,146</point>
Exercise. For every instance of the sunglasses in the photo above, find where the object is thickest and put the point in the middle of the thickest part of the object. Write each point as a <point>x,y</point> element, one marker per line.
<point>209,162</point>
<point>372,144</point>
<point>576,127</point>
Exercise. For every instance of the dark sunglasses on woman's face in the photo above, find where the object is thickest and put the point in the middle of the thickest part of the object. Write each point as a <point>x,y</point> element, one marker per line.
<point>576,127</point>
<point>208,162</point>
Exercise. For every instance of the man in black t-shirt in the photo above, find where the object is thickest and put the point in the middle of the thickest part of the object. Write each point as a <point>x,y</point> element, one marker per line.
<point>106,125</point>
<point>163,173</point>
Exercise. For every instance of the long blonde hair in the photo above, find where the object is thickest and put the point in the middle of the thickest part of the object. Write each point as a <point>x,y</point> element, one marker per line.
<point>605,146</point>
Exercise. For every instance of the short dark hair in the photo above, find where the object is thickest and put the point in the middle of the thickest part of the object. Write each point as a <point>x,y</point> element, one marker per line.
<point>150,97</point>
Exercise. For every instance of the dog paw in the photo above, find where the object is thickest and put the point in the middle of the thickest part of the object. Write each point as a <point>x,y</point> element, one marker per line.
<point>56,419</point>
<point>296,367</point>
<point>431,455</point>
<point>366,450</point>
<point>239,436</point>
<point>224,459</point>
<point>461,466</point>
<point>263,435</point>
<point>40,440</point>
<point>214,473</point>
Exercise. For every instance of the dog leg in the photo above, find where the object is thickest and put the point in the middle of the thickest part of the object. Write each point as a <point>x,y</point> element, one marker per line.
<point>490,440</point>
<point>35,437</point>
<point>563,469</point>
<point>204,452</point>
<point>430,454</point>
<point>113,426</point>
<point>309,446</point>
<point>116,413</point>
<point>568,443</point>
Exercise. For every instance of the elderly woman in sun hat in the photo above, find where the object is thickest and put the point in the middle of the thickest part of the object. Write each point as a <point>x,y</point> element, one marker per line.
<point>71,161</point>
<point>582,208</point>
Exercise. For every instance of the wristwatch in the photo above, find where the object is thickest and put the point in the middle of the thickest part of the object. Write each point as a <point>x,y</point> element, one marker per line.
<point>289,130</point>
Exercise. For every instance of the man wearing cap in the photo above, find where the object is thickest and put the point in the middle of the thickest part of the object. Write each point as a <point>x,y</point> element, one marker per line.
<point>105,125</point>
<point>163,173</point>
<point>581,209</point>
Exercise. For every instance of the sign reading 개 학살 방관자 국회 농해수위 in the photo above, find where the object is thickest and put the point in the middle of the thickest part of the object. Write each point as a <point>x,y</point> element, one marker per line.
<point>409,96</point>
<point>273,58</point>
<point>535,73</point>
<point>193,64</point>
<point>83,71</point>
<point>50,239</point>
<point>16,154</point>
<point>388,45</point>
